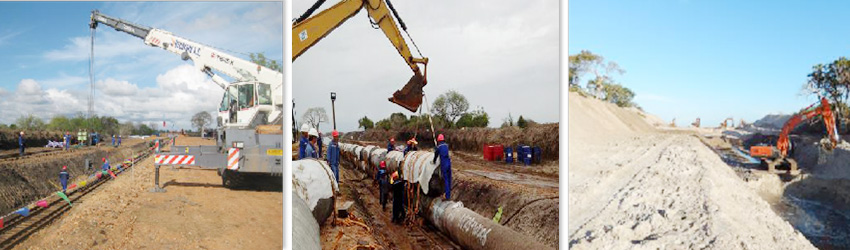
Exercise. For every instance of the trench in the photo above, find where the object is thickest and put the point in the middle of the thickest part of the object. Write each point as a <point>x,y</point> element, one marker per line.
<point>817,207</point>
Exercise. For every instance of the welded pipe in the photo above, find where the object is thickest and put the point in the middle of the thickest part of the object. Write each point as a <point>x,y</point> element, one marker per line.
<point>305,229</point>
<point>464,226</point>
<point>314,182</point>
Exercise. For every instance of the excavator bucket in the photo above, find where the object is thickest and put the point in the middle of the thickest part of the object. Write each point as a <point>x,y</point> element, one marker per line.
<point>410,96</point>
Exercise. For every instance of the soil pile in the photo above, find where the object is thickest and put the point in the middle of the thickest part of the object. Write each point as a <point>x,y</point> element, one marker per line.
<point>772,121</point>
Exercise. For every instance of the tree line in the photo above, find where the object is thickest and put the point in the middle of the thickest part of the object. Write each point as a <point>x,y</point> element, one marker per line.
<point>101,124</point>
<point>602,84</point>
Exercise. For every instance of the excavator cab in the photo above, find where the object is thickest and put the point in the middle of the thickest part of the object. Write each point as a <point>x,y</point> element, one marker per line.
<point>410,96</point>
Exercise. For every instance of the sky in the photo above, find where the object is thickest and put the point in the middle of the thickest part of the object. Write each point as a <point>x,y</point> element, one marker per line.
<point>45,51</point>
<point>712,59</point>
<point>503,57</point>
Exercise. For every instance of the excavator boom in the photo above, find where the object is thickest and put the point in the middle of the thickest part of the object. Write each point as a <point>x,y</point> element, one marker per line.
<point>309,30</point>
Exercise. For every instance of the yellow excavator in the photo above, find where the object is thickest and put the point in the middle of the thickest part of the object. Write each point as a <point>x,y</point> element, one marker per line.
<point>308,29</point>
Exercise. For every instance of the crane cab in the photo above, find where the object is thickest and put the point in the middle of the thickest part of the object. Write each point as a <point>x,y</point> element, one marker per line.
<point>246,105</point>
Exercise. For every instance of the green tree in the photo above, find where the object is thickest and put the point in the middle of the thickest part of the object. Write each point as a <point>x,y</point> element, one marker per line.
<point>60,123</point>
<point>201,119</point>
<point>384,124</point>
<point>833,82</point>
<point>521,122</point>
<point>398,120</point>
<point>450,106</point>
<point>617,94</point>
<point>261,59</point>
<point>29,122</point>
<point>477,118</point>
<point>365,123</point>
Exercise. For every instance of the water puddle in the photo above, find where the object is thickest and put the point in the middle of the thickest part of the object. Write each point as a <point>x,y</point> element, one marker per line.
<point>824,226</point>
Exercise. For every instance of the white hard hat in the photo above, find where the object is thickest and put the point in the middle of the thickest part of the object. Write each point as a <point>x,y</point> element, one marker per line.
<point>313,132</point>
<point>305,127</point>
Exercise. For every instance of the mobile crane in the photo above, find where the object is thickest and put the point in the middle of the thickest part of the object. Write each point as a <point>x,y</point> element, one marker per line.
<point>781,153</point>
<point>307,30</point>
<point>251,111</point>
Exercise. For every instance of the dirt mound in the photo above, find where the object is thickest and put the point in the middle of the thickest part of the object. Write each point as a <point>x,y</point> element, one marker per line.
<point>592,118</point>
<point>829,165</point>
<point>546,136</point>
<point>26,180</point>
<point>772,121</point>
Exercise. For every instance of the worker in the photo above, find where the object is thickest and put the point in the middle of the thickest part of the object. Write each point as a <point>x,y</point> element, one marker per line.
<point>63,178</point>
<point>113,140</point>
<point>21,142</point>
<point>67,140</point>
<point>119,140</point>
<point>391,145</point>
<point>105,165</point>
<point>319,144</point>
<point>311,150</point>
<point>333,155</point>
<point>442,151</point>
<point>411,145</point>
<point>398,187</point>
<point>383,185</point>
<point>95,138</point>
<point>302,144</point>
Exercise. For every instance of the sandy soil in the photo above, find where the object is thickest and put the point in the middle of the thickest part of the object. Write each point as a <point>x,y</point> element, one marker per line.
<point>634,187</point>
<point>194,213</point>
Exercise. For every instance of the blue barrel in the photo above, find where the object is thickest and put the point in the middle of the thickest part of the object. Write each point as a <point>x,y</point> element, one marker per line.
<point>509,156</point>
<point>519,155</point>
<point>526,155</point>
<point>538,155</point>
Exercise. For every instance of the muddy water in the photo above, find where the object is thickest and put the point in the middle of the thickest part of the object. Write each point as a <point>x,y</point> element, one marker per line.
<point>824,225</point>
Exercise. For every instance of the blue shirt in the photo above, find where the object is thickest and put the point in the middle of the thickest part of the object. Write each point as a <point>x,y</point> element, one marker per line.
<point>21,140</point>
<point>63,176</point>
<point>333,153</point>
<point>390,146</point>
<point>309,152</point>
<point>443,153</point>
<point>302,146</point>
<point>106,165</point>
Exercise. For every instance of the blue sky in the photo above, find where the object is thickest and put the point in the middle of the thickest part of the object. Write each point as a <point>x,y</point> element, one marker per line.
<point>45,51</point>
<point>713,59</point>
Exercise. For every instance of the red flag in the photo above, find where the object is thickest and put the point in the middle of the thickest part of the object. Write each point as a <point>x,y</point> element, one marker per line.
<point>41,203</point>
<point>111,173</point>
<point>97,175</point>
<point>1,222</point>
<point>72,186</point>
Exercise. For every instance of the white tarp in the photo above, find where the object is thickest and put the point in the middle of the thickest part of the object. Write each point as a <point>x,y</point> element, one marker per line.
<point>313,180</point>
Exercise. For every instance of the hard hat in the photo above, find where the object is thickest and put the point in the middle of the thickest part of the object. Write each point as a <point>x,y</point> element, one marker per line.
<point>392,139</point>
<point>313,132</point>
<point>305,127</point>
<point>383,164</point>
<point>335,133</point>
<point>440,137</point>
<point>104,159</point>
<point>64,167</point>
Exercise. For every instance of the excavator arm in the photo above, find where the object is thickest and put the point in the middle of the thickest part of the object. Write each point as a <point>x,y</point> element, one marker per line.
<point>823,110</point>
<point>306,32</point>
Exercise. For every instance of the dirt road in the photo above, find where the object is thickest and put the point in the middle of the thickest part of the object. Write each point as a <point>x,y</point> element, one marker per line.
<point>196,212</point>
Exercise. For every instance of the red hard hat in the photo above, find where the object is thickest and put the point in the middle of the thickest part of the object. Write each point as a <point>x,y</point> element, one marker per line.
<point>335,133</point>
<point>104,159</point>
<point>440,137</point>
<point>64,167</point>
<point>383,164</point>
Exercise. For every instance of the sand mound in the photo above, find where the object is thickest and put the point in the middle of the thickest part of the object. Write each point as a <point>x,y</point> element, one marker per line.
<point>772,121</point>
<point>591,117</point>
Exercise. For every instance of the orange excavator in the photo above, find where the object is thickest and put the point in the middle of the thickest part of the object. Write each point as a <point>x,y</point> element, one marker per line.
<point>780,154</point>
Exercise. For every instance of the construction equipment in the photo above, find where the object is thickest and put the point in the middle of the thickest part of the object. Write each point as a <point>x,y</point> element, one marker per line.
<point>250,129</point>
<point>724,124</point>
<point>307,30</point>
<point>254,98</point>
<point>780,154</point>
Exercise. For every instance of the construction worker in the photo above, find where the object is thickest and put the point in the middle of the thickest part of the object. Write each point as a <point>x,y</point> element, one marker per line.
<point>391,145</point>
<point>21,141</point>
<point>442,151</point>
<point>311,150</point>
<point>411,145</point>
<point>398,187</point>
<point>302,144</point>
<point>105,164</point>
<point>383,184</point>
<point>333,154</point>
<point>67,140</point>
<point>63,178</point>
<point>319,144</point>
<point>119,140</point>
<point>113,140</point>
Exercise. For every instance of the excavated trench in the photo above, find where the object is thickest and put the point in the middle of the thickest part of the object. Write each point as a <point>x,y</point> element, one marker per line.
<point>816,206</point>
<point>28,179</point>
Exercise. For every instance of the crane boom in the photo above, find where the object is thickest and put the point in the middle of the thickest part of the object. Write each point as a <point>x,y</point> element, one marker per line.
<point>210,60</point>
<point>309,31</point>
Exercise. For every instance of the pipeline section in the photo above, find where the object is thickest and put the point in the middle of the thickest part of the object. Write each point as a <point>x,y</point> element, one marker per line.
<point>464,226</point>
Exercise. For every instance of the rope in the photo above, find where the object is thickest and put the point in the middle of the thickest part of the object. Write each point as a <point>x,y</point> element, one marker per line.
<point>433,132</point>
